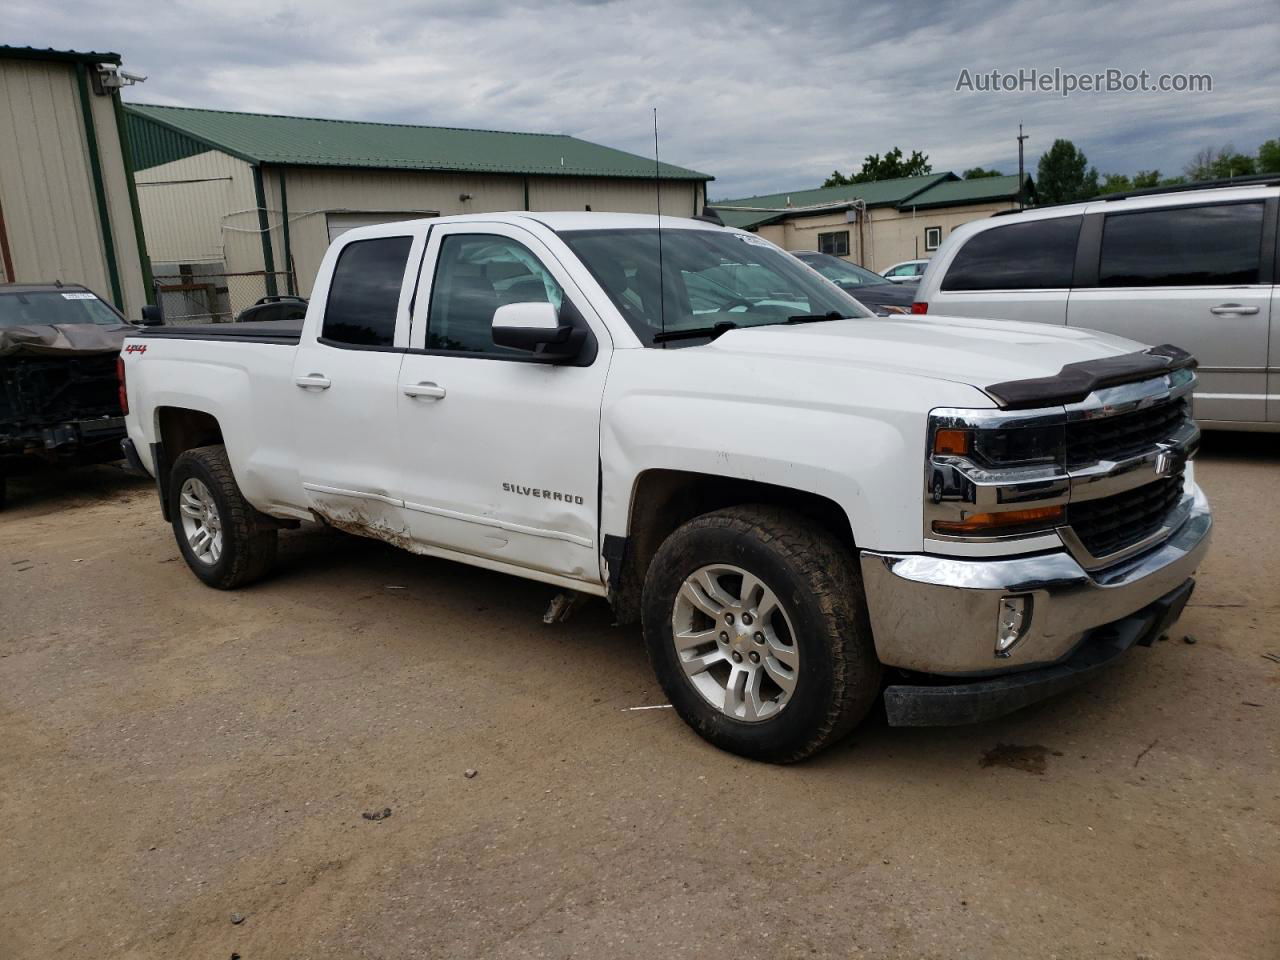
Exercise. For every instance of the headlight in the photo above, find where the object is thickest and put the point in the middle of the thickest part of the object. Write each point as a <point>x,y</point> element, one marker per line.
<point>996,476</point>
<point>1003,446</point>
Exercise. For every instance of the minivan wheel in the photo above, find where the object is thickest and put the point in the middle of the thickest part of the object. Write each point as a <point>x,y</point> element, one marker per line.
<point>756,626</point>
<point>225,541</point>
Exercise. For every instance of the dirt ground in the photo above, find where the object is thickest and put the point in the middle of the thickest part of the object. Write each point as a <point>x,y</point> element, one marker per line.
<point>174,759</point>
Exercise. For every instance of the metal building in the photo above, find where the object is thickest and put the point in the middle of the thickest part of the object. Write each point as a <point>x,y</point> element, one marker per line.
<point>238,205</point>
<point>68,209</point>
<point>880,223</point>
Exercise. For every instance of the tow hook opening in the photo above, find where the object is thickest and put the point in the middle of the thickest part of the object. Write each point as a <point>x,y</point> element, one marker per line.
<point>1012,622</point>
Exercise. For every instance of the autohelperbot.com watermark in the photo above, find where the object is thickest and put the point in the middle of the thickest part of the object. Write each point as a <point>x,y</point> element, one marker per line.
<point>1065,83</point>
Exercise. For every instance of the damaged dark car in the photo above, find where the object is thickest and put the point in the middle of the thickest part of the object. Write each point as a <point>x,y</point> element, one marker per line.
<point>59,395</point>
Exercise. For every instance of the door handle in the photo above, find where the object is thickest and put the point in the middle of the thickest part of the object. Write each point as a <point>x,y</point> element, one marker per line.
<point>314,381</point>
<point>1233,310</point>
<point>426,390</point>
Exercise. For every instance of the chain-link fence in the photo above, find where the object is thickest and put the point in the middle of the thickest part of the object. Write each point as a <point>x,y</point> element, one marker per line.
<point>193,297</point>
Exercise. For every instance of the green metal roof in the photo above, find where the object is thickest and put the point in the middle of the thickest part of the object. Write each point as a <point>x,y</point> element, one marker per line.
<point>59,56</point>
<point>304,141</point>
<point>877,193</point>
<point>954,193</point>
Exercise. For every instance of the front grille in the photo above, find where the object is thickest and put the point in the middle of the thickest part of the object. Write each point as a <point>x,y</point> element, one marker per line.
<point>1126,435</point>
<point>1113,523</point>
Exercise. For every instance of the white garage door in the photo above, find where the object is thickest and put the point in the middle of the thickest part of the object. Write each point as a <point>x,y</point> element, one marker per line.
<point>340,223</point>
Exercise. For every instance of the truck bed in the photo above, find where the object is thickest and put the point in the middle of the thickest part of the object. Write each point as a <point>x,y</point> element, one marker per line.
<point>286,332</point>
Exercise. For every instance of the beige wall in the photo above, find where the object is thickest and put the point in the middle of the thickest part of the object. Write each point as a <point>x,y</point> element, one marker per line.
<point>890,235</point>
<point>314,192</point>
<point>46,183</point>
<point>202,209</point>
<point>186,204</point>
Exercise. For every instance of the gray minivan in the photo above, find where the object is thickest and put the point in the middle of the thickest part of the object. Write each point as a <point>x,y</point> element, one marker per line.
<point>1194,267</point>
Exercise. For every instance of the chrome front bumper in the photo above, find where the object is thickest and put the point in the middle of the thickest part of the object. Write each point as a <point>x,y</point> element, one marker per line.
<point>938,615</point>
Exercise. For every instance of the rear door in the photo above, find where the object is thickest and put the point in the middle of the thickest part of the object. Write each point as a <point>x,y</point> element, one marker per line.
<point>500,455</point>
<point>1019,270</point>
<point>1192,274</point>
<point>346,373</point>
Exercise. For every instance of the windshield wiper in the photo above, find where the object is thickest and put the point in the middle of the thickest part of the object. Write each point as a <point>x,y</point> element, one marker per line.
<point>817,317</point>
<point>724,326</point>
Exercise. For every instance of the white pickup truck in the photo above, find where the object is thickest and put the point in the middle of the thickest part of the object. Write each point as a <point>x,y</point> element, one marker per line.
<point>798,500</point>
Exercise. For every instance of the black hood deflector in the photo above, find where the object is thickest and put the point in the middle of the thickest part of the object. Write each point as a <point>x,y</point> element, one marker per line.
<point>1076,381</point>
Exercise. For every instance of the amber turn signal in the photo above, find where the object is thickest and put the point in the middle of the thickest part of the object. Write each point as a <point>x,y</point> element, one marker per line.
<point>1001,522</point>
<point>953,443</point>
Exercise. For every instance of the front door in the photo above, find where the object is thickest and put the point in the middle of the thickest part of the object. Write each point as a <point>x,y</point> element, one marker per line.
<point>1190,276</point>
<point>500,455</point>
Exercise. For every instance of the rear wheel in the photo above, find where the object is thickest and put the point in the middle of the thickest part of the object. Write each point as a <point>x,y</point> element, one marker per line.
<point>755,623</point>
<point>225,541</point>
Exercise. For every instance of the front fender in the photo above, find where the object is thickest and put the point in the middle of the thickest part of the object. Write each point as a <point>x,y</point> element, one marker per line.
<point>859,444</point>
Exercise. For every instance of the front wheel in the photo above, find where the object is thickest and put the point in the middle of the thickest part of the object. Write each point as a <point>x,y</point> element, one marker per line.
<point>225,541</point>
<point>756,627</point>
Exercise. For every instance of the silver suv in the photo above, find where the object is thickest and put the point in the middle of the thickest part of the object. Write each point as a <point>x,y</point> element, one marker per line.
<point>1193,267</point>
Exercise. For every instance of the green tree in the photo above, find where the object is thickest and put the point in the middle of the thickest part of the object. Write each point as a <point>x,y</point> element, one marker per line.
<point>1064,175</point>
<point>889,167</point>
<point>1219,163</point>
<point>1269,157</point>
<point>1115,183</point>
<point>978,173</point>
<point>1144,179</point>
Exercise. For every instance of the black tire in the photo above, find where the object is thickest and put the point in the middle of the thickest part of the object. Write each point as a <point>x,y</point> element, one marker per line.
<point>817,581</point>
<point>248,537</point>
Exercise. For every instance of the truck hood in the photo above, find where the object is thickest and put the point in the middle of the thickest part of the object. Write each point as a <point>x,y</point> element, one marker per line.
<point>959,349</point>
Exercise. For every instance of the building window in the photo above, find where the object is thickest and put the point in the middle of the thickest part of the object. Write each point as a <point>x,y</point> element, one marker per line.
<point>932,237</point>
<point>836,244</point>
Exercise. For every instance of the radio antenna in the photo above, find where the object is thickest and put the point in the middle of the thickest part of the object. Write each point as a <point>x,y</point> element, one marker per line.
<point>657,186</point>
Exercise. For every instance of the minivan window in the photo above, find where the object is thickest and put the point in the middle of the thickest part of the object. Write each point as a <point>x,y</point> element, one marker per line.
<point>1182,246</point>
<point>364,293</point>
<point>1035,255</point>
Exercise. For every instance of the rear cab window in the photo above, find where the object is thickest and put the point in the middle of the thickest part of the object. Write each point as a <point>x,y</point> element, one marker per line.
<point>1034,255</point>
<point>364,293</point>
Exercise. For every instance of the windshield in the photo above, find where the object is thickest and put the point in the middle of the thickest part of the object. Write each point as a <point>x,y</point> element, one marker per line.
<point>55,306</point>
<point>842,271</point>
<point>710,277</point>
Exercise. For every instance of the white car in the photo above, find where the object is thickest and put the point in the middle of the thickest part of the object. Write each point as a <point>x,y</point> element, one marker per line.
<point>908,271</point>
<point>1194,267</point>
<point>794,497</point>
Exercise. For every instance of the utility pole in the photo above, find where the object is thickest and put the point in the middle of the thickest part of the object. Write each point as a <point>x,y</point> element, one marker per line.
<point>1021,192</point>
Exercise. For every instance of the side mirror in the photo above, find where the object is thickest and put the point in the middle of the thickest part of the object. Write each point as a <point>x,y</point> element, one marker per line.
<point>152,315</point>
<point>537,329</point>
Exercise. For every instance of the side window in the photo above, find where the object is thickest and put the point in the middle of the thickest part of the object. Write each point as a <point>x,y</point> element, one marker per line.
<point>836,244</point>
<point>365,292</point>
<point>476,274</point>
<point>932,238</point>
<point>1182,246</point>
<point>1036,255</point>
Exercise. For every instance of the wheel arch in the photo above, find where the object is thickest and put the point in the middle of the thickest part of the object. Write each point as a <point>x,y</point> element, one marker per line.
<point>663,499</point>
<point>177,430</point>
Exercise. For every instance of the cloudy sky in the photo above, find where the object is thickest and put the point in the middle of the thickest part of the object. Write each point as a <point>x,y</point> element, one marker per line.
<point>766,96</point>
